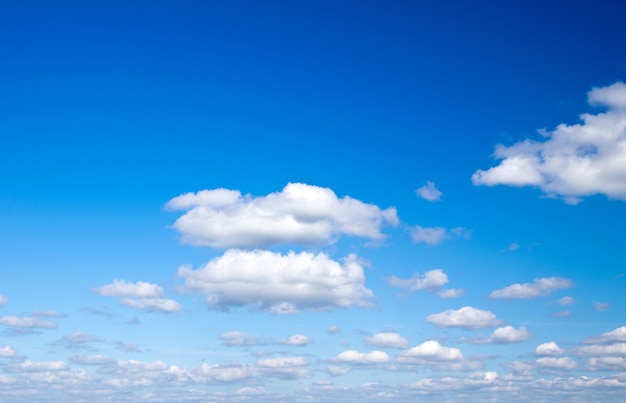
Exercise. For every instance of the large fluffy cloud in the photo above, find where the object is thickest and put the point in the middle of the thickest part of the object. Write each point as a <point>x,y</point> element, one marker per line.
<point>467,317</point>
<point>539,287</point>
<point>573,161</point>
<point>278,283</point>
<point>299,214</point>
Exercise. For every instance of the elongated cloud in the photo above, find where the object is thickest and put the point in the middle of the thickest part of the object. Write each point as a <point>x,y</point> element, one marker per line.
<point>392,340</point>
<point>279,283</point>
<point>467,317</point>
<point>617,335</point>
<point>573,161</point>
<point>432,280</point>
<point>356,357</point>
<point>299,214</point>
<point>27,322</point>
<point>140,295</point>
<point>538,288</point>
<point>549,348</point>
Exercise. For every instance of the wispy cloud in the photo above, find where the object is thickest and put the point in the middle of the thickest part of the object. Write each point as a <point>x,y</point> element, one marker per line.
<point>538,288</point>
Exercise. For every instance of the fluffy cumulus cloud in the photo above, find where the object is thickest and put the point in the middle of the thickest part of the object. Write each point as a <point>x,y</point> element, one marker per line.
<point>538,288</point>
<point>549,348</point>
<point>299,214</point>
<point>429,351</point>
<point>555,363</point>
<point>509,334</point>
<point>467,317</point>
<point>7,352</point>
<point>279,283</point>
<point>429,192</point>
<point>387,340</point>
<point>617,335</point>
<point>572,161</point>
<point>139,295</point>
<point>356,357</point>
<point>432,280</point>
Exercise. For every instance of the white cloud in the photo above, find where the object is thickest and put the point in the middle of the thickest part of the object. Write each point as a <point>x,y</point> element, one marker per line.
<point>508,334</point>
<point>299,214</point>
<point>355,357</point>
<point>429,351</point>
<point>392,340</point>
<point>617,349</point>
<point>127,346</point>
<point>336,370</point>
<point>333,329</point>
<point>539,287</point>
<point>565,301</point>
<point>95,359</point>
<point>467,317</point>
<point>451,293</point>
<point>3,300</point>
<point>429,192</point>
<point>432,280</point>
<point>152,304</point>
<point>549,348</point>
<point>574,160</point>
<point>430,236</point>
<point>617,335</point>
<point>607,364</point>
<point>600,306</point>
<point>7,352</point>
<point>296,340</point>
<point>35,366</point>
<point>238,339</point>
<point>140,295</point>
<point>268,280</point>
<point>561,363</point>
<point>26,322</point>
<point>121,288</point>
<point>282,362</point>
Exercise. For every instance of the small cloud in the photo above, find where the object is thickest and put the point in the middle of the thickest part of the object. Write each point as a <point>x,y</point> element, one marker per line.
<point>549,348</point>
<point>139,295</point>
<point>356,357</point>
<point>601,306</point>
<point>296,340</point>
<point>461,232</point>
<point>3,300</point>
<point>451,293</point>
<point>467,317</point>
<point>335,370</point>
<point>429,351</point>
<point>562,314</point>
<point>617,335</point>
<point>508,334</point>
<point>48,314</point>
<point>432,280</point>
<point>430,236</point>
<point>25,324</point>
<point>429,192</point>
<point>387,340</point>
<point>333,329</point>
<point>565,301</point>
<point>96,359</point>
<point>513,247</point>
<point>238,339</point>
<point>539,287</point>
<point>7,352</point>
<point>127,346</point>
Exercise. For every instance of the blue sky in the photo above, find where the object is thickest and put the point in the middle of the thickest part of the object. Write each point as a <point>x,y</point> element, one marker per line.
<point>312,201</point>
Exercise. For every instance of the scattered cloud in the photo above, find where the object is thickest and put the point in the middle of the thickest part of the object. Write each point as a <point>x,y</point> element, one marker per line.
<point>432,280</point>
<point>336,370</point>
<point>238,339</point>
<point>3,300</point>
<point>539,287</point>
<point>26,324</point>
<point>355,357</point>
<point>299,214</point>
<point>617,349</point>
<point>279,283</point>
<point>127,346</point>
<point>554,363</point>
<point>333,329</point>
<point>508,334</point>
<point>296,340</point>
<point>140,295</point>
<point>600,306</point>
<point>78,340</point>
<point>617,335</point>
<point>7,352</point>
<point>573,161</point>
<point>467,317</point>
<point>430,236</point>
<point>94,359</point>
<point>451,293</point>
<point>565,301</point>
<point>429,351</point>
<point>549,348</point>
<point>429,192</point>
<point>387,340</point>
<point>512,247</point>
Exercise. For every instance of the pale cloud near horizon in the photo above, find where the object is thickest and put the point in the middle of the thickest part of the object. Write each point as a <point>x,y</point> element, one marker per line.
<point>538,288</point>
<point>278,283</point>
<point>296,340</point>
<point>299,214</point>
<point>573,161</point>
<point>429,192</point>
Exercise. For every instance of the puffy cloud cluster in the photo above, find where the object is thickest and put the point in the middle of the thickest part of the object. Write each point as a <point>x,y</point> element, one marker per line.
<point>25,324</point>
<point>431,281</point>
<point>467,317</point>
<point>140,295</point>
<point>278,283</point>
<point>574,160</point>
<point>538,288</point>
<point>299,214</point>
